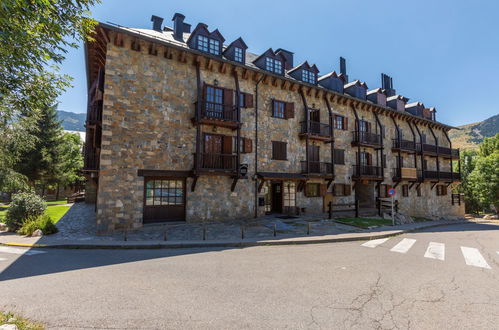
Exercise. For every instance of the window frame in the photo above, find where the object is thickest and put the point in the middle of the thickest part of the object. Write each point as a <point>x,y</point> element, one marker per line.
<point>288,196</point>
<point>273,65</point>
<point>316,193</point>
<point>335,158</point>
<point>202,43</point>
<point>178,186</point>
<point>336,122</point>
<point>308,76</point>
<point>238,54</point>
<point>405,190</point>
<point>276,114</point>
<point>278,146</point>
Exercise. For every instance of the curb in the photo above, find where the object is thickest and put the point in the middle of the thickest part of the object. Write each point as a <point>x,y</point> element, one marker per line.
<point>239,244</point>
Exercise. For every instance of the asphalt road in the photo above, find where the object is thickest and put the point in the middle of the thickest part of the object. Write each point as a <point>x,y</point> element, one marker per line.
<point>401,283</point>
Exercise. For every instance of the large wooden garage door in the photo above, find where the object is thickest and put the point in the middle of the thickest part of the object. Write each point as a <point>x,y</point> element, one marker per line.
<point>164,200</point>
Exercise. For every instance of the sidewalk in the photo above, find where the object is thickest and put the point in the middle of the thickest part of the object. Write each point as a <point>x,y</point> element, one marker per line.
<point>77,231</point>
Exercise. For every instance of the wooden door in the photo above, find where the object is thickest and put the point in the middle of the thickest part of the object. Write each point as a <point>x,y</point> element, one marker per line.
<point>277,197</point>
<point>213,147</point>
<point>164,200</point>
<point>314,161</point>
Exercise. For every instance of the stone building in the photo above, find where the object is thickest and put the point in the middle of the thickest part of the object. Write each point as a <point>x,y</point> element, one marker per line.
<point>184,126</point>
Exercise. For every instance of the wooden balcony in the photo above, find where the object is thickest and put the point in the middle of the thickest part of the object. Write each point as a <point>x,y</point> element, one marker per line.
<point>223,115</point>
<point>406,173</point>
<point>212,162</point>
<point>428,149</point>
<point>442,176</point>
<point>90,159</point>
<point>366,139</point>
<point>403,145</point>
<point>315,130</point>
<point>448,152</point>
<point>316,168</point>
<point>368,172</point>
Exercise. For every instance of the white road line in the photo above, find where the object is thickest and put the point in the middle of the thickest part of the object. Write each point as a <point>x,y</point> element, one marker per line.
<point>2,259</point>
<point>435,251</point>
<point>375,242</point>
<point>404,245</point>
<point>472,257</point>
<point>8,249</point>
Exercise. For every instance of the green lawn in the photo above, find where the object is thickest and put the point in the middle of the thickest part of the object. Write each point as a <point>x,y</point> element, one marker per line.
<point>61,201</point>
<point>55,212</point>
<point>365,222</point>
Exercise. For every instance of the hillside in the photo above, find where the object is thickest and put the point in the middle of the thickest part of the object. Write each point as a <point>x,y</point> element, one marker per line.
<point>72,121</point>
<point>469,136</point>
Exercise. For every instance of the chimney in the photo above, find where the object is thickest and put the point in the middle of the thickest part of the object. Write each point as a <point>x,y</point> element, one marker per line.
<point>156,23</point>
<point>387,85</point>
<point>178,26</point>
<point>288,57</point>
<point>343,68</point>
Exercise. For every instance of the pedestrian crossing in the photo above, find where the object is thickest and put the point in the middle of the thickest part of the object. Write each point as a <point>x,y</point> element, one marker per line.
<point>435,250</point>
<point>19,251</point>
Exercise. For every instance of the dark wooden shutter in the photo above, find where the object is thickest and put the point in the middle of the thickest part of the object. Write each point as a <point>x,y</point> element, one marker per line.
<point>347,189</point>
<point>345,123</point>
<point>339,156</point>
<point>383,160</point>
<point>322,190</point>
<point>248,100</point>
<point>227,145</point>
<point>369,127</point>
<point>228,97</point>
<point>247,145</point>
<point>289,109</point>
<point>369,159</point>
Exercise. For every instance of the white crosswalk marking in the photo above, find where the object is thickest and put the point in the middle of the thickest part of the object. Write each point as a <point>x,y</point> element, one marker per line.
<point>375,242</point>
<point>8,249</point>
<point>435,251</point>
<point>472,257</point>
<point>404,245</point>
<point>2,259</point>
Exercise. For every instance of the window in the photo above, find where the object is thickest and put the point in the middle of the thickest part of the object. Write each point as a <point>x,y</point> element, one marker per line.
<point>238,54</point>
<point>363,126</point>
<point>312,190</point>
<point>279,150</point>
<point>308,76</point>
<point>383,190</point>
<point>208,45</point>
<point>339,156</point>
<point>279,109</point>
<point>289,194</point>
<point>164,192</point>
<point>418,190</point>
<point>203,43</point>
<point>405,190</point>
<point>273,65</point>
<point>383,160</point>
<point>242,101</point>
<point>214,102</point>
<point>441,190</point>
<point>339,122</point>
<point>339,189</point>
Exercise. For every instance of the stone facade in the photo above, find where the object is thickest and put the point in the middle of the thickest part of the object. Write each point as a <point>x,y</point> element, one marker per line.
<point>147,111</point>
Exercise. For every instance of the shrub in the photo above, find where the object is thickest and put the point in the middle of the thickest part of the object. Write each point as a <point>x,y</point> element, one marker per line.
<point>43,222</point>
<point>24,206</point>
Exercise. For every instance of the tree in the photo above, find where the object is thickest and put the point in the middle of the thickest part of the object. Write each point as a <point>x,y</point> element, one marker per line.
<point>34,36</point>
<point>468,163</point>
<point>69,160</point>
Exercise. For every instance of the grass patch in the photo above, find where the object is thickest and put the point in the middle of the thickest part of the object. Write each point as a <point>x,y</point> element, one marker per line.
<point>365,223</point>
<point>54,212</point>
<point>61,201</point>
<point>21,323</point>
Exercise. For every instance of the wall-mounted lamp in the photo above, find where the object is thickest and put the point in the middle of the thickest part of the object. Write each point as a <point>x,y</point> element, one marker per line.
<point>215,82</point>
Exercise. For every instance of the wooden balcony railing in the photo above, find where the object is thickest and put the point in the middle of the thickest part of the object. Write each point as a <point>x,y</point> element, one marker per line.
<point>90,159</point>
<point>456,176</point>
<point>218,111</point>
<point>406,173</point>
<point>366,138</point>
<point>94,114</point>
<point>366,171</point>
<point>316,167</point>
<point>404,145</point>
<point>316,128</point>
<point>209,161</point>
<point>445,151</point>
<point>429,148</point>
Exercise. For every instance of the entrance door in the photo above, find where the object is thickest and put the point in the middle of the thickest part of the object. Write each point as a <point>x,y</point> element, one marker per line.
<point>364,192</point>
<point>164,200</point>
<point>277,197</point>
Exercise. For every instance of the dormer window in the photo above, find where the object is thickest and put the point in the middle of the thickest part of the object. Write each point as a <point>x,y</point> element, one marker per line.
<point>308,77</point>
<point>208,45</point>
<point>273,65</point>
<point>238,54</point>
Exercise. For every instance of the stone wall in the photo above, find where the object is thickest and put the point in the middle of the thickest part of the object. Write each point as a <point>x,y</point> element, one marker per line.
<point>147,112</point>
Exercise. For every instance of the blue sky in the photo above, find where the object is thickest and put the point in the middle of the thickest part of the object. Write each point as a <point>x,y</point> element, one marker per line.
<point>444,53</point>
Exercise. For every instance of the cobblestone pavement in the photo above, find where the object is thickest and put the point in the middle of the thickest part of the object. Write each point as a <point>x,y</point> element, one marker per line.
<point>79,224</point>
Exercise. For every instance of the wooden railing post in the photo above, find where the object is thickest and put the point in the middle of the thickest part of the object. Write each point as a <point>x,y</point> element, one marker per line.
<point>330,210</point>
<point>356,208</point>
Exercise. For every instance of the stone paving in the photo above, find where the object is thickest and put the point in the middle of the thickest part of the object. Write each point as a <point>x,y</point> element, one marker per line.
<point>79,224</point>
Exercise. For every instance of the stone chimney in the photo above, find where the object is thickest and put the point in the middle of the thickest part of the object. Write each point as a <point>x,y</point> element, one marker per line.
<point>343,69</point>
<point>156,23</point>
<point>179,27</point>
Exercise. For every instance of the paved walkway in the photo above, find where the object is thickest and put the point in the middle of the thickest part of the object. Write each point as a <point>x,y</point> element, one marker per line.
<point>77,229</point>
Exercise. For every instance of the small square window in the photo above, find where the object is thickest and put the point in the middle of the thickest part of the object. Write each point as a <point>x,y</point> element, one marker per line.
<point>312,190</point>
<point>214,47</point>
<point>339,122</point>
<point>308,76</point>
<point>279,150</point>
<point>238,54</point>
<point>405,190</point>
<point>279,109</point>
<point>202,43</point>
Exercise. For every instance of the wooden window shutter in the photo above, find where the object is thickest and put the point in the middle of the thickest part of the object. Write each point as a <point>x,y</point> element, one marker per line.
<point>289,109</point>
<point>247,145</point>
<point>228,96</point>
<point>369,128</point>
<point>369,159</point>
<point>205,87</point>
<point>248,100</point>
<point>345,123</point>
<point>227,145</point>
<point>322,190</point>
<point>347,189</point>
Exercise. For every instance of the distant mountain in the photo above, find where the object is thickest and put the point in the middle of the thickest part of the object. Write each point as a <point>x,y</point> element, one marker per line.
<point>469,136</point>
<point>72,121</point>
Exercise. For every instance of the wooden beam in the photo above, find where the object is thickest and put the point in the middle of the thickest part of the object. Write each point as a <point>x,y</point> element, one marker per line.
<point>257,76</point>
<point>194,181</point>
<point>260,186</point>
<point>275,81</point>
<point>293,87</point>
<point>223,68</point>
<point>234,183</point>
<point>183,57</point>
<point>285,84</point>
<point>103,33</point>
